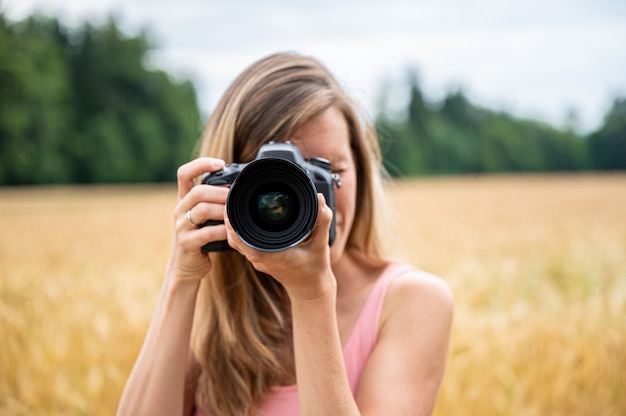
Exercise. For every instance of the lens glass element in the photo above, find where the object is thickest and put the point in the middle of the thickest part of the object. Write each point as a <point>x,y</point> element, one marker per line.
<point>274,207</point>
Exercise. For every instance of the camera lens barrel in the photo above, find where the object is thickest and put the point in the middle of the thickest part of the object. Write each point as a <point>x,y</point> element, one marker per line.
<point>272,204</point>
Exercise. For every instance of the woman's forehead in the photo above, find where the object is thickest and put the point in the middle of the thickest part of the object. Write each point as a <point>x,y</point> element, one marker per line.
<point>325,135</point>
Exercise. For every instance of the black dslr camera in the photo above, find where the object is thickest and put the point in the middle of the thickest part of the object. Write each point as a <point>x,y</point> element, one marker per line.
<point>272,202</point>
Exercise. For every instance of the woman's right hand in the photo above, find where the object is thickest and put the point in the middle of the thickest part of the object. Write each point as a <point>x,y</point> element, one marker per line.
<point>157,384</point>
<point>203,202</point>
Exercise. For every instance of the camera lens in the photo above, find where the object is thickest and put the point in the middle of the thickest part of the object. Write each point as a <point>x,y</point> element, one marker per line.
<point>274,208</point>
<point>272,205</point>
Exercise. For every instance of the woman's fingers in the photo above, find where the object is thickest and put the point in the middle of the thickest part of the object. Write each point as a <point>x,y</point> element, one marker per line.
<point>197,204</point>
<point>203,212</point>
<point>203,203</point>
<point>321,230</point>
<point>193,241</point>
<point>200,204</point>
<point>188,172</point>
<point>311,252</point>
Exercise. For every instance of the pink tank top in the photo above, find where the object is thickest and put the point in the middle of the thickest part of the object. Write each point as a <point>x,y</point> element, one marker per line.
<point>283,400</point>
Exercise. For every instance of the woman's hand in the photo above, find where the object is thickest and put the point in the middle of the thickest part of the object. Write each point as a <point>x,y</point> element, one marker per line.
<point>196,205</point>
<point>158,384</point>
<point>304,270</point>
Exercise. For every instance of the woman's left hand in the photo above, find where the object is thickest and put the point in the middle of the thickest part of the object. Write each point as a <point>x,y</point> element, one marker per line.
<point>304,270</point>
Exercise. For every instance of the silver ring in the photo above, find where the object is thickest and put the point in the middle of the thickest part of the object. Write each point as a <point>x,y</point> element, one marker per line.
<point>189,220</point>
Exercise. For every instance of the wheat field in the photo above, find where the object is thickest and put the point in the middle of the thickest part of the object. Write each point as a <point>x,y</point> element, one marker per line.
<point>537,265</point>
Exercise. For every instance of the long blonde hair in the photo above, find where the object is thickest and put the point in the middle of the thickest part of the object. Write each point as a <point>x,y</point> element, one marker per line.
<point>242,327</point>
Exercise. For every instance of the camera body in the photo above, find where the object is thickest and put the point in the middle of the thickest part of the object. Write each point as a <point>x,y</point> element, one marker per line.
<point>272,201</point>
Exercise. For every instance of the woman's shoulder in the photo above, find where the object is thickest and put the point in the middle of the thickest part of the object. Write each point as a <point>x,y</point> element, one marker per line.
<point>418,296</point>
<point>412,345</point>
<point>416,282</point>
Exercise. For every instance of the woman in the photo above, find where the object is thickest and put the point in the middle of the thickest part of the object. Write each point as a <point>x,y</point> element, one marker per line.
<point>311,330</point>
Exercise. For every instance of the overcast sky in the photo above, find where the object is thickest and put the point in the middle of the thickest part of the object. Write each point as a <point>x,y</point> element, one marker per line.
<point>536,58</point>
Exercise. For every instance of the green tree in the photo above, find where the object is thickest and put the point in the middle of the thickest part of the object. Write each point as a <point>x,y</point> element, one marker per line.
<point>142,118</point>
<point>456,136</point>
<point>81,106</point>
<point>608,145</point>
<point>35,102</point>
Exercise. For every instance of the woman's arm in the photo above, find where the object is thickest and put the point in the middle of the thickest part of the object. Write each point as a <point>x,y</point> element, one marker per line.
<point>157,381</point>
<point>323,387</point>
<point>405,370</point>
<point>156,385</point>
<point>305,272</point>
<point>403,374</point>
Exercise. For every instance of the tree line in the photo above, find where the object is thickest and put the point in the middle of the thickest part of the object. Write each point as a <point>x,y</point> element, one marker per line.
<point>455,136</point>
<point>83,106</point>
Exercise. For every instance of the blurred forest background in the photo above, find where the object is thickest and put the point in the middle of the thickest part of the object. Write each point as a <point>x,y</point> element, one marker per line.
<point>83,105</point>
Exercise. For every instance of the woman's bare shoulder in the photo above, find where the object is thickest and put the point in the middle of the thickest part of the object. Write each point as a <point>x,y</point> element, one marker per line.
<point>411,349</point>
<point>418,295</point>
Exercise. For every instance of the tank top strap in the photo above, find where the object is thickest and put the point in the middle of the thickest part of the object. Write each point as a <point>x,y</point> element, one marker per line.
<point>365,332</point>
